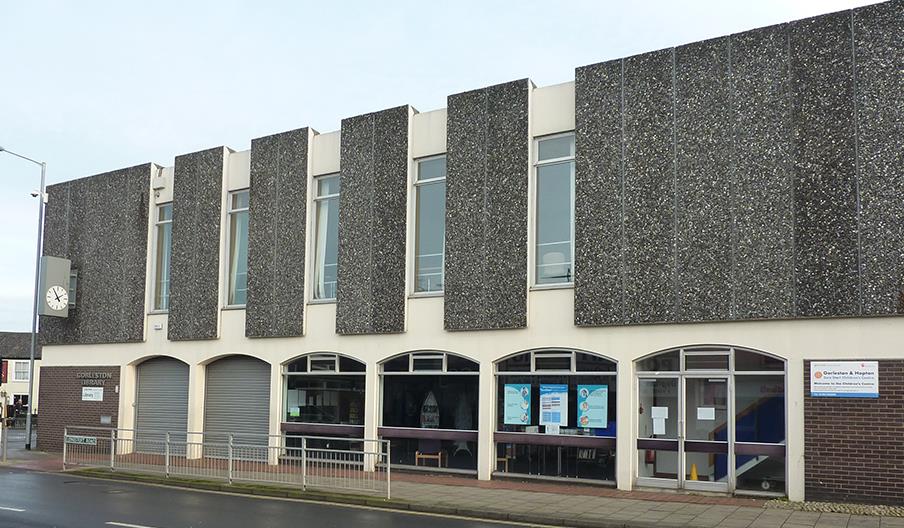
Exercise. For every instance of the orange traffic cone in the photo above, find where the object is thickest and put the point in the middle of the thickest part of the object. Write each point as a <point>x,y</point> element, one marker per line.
<point>693,472</point>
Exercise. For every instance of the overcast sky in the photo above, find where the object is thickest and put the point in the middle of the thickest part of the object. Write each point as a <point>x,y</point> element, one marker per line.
<point>94,86</point>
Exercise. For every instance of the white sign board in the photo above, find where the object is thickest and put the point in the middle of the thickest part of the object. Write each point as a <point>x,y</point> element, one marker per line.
<point>92,394</point>
<point>844,379</point>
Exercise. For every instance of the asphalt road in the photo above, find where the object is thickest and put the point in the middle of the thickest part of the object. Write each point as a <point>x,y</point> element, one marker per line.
<point>41,500</point>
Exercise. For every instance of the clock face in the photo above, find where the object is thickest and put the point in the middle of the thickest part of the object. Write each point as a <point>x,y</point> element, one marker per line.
<point>57,298</point>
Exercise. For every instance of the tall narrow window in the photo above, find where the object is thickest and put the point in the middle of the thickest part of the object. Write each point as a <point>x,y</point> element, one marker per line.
<point>555,210</point>
<point>238,248</point>
<point>431,228</point>
<point>163,229</point>
<point>326,230</point>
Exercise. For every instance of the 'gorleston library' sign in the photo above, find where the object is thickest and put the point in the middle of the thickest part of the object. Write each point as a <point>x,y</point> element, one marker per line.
<point>93,379</point>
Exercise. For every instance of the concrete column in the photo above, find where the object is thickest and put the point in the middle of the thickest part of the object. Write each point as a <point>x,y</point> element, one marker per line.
<point>128,385</point>
<point>197,379</point>
<point>486,422</point>
<point>794,389</point>
<point>371,401</point>
<point>626,425</point>
<point>276,412</point>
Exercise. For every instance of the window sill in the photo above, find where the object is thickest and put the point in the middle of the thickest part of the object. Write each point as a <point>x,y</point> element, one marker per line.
<point>234,307</point>
<point>322,301</point>
<point>558,286</point>
<point>158,312</point>
<point>421,295</point>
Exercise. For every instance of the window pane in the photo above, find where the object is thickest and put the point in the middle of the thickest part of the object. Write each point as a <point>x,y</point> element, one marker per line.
<point>751,361</point>
<point>554,223</point>
<point>323,364</point>
<point>350,365</point>
<point>431,229</point>
<point>519,363</point>
<point>427,364</point>
<point>706,362</point>
<point>590,363</point>
<point>404,398</point>
<point>240,200</point>
<point>326,251</point>
<point>667,361</point>
<point>432,168</point>
<point>328,185</point>
<point>560,147</point>
<point>553,461</point>
<point>543,362</point>
<point>165,212</point>
<point>460,364</point>
<point>760,473</point>
<point>238,257</point>
<point>760,409</point>
<point>325,399</point>
<point>572,381</point>
<point>399,364</point>
<point>299,365</point>
<point>162,266</point>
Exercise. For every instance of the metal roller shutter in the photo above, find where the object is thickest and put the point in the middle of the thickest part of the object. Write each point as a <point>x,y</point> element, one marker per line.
<point>237,401</point>
<point>161,403</point>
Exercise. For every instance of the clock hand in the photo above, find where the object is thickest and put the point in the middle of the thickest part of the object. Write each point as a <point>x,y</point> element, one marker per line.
<point>57,296</point>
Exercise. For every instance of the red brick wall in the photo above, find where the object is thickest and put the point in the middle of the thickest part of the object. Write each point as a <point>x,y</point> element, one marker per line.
<point>61,403</point>
<point>854,447</point>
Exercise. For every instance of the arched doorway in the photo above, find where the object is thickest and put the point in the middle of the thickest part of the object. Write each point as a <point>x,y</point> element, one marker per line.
<point>161,403</point>
<point>711,418</point>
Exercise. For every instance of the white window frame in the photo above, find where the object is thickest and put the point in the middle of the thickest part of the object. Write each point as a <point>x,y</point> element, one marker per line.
<point>315,200</point>
<point>535,165</point>
<point>157,227</point>
<point>414,254</point>
<point>15,372</point>
<point>229,212</point>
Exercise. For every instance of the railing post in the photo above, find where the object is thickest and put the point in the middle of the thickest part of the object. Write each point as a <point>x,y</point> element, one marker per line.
<point>304,463</point>
<point>388,468</point>
<point>166,447</point>
<point>65,438</point>
<point>229,471</point>
<point>112,449</point>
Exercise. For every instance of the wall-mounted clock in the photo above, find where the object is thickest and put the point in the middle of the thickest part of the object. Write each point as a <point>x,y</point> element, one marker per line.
<point>57,298</point>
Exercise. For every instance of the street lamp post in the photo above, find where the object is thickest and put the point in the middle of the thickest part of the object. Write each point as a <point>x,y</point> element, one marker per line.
<point>34,313</point>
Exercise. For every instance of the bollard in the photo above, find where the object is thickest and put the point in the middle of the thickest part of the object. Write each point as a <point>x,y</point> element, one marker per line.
<point>229,474</point>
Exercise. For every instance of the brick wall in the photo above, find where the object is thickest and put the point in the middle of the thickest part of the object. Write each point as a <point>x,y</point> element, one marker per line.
<point>61,403</point>
<point>854,447</point>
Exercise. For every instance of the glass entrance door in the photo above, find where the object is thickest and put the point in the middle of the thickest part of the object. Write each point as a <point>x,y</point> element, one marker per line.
<point>683,432</point>
<point>704,443</point>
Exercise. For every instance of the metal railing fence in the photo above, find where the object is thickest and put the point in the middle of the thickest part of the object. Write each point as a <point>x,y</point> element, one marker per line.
<point>360,465</point>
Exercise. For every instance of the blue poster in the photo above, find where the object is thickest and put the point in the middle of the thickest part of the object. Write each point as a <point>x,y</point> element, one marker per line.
<point>517,404</point>
<point>554,405</point>
<point>593,406</point>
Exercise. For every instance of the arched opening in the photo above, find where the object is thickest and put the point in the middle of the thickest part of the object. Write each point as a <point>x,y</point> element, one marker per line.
<point>324,395</point>
<point>712,418</point>
<point>161,403</point>
<point>556,415</point>
<point>429,410</point>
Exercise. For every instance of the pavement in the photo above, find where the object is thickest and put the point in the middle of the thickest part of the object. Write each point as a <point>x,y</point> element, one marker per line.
<point>528,503</point>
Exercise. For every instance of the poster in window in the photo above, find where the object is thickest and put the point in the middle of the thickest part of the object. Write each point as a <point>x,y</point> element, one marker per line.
<point>517,404</point>
<point>554,405</point>
<point>430,412</point>
<point>593,406</point>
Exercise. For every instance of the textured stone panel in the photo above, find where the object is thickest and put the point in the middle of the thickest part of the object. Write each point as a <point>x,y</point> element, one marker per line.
<point>879,57</point>
<point>100,223</point>
<point>598,199</point>
<point>195,265</point>
<point>825,191</point>
<point>486,208</point>
<point>649,254</point>
<point>276,235</point>
<point>372,223</point>
<point>703,134</point>
<point>763,201</point>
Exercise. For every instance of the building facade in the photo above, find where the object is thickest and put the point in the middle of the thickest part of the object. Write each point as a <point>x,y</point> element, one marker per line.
<point>15,353</point>
<point>624,279</point>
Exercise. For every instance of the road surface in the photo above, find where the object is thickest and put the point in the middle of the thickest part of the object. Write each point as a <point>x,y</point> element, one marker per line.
<point>39,500</point>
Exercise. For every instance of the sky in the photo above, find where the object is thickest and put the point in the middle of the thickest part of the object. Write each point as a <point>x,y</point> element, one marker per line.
<point>93,86</point>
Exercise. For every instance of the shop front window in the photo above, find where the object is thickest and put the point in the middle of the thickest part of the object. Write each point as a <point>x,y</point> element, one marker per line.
<point>324,394</point>
<point>556,415</point>
<point>430,405</point>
